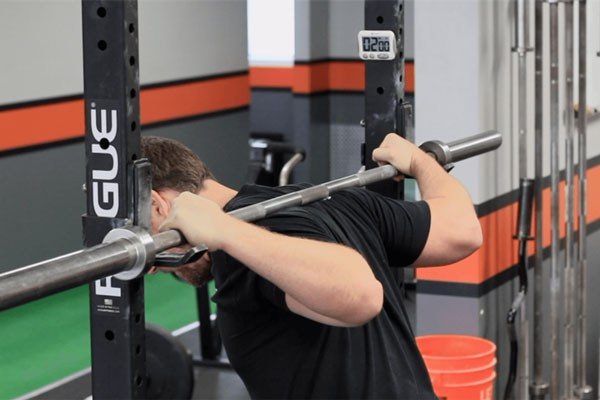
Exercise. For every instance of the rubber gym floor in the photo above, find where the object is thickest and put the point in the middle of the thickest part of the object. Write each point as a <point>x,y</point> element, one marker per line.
<point>30,360</point>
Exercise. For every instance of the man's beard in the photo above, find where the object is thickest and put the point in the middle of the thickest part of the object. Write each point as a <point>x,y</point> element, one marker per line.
<point>196,273</point>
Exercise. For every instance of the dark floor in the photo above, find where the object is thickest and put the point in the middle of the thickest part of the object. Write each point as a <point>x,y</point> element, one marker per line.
<point>210,382</point>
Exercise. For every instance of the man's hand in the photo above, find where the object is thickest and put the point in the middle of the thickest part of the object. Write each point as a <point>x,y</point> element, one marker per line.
<point>200,220</point>
<point>399,152</point>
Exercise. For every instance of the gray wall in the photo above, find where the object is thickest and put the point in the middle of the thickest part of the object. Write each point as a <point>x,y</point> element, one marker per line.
<point>42,54</point>
<point>42,201</point>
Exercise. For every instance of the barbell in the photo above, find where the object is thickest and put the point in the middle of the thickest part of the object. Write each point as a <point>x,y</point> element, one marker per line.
<point>128,252</point>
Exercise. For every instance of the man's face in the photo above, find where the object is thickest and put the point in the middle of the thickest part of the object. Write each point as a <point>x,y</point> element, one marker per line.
<point>196,273</point>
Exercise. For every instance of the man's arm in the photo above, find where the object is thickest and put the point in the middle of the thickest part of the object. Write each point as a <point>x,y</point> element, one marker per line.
<point>325,282</point>
<point>455,231</point>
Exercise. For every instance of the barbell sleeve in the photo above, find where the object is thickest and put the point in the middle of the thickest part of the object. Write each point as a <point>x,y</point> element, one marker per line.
<point>35,281</point>
<point>474,146</point>
<point>42,279</point>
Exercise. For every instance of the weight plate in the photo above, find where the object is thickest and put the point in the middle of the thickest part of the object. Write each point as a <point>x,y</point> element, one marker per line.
<point>169,366</point>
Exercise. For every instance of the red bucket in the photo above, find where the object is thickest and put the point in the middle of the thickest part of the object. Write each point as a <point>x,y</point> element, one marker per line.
<point>461,376</point>
<point>455,352</point>
<point>479,390</point>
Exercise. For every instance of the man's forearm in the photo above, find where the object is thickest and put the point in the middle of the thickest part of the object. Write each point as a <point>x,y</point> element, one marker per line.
<point>330,279</point>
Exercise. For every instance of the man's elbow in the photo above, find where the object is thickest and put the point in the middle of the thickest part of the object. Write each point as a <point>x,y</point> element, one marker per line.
<point>471,238</point>
<point>367,305</point>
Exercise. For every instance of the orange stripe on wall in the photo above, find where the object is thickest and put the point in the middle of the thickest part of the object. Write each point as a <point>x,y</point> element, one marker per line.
<point>346,76</point>
<point>179,101</point>
<point>41,124</point>
<point>499,249</point>
<point>273,77</point>
<point>319,77</point>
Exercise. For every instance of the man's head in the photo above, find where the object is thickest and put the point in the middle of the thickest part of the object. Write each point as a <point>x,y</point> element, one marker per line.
<point>175,169</point>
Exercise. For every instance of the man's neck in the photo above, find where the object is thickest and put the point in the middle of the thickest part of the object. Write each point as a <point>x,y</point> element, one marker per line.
<point>217,192</point>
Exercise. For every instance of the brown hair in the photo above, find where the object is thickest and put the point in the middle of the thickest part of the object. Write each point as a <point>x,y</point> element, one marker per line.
<point>174,166</point>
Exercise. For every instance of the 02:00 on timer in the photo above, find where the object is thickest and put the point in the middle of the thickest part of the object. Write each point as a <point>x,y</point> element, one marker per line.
<point>376,44</point>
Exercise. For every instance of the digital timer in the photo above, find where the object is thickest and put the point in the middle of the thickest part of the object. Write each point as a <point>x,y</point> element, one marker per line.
<point>377,45</point>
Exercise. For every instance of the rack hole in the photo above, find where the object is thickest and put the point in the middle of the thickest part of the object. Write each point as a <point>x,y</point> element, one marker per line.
<point>138,380</point>
<point>109,335</point>
<point>104,143</point>
<point>133,158</point>
<point>138,349</point>
<point>380,19</point>
<point>132,93</point>
<point>138,317</point>
<point>380,90</point>
<point>131,28</point>
<point>133,126</point>
<point>101,12</point>
<point>102,45</point>
<point>132,60</point>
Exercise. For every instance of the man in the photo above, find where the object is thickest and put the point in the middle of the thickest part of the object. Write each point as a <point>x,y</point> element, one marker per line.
<point>308,307</point>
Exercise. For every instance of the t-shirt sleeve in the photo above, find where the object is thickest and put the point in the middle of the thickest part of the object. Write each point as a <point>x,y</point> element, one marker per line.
<point>243,288</point>
<point>403,226</point>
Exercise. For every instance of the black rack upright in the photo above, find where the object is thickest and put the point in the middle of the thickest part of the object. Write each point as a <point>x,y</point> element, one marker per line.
<point>384,87</point>
<point>112,144</point>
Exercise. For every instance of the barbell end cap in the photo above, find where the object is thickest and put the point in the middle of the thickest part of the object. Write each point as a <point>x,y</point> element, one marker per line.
<point>438,150</point>
<point>538,390</point>
<point>583,392</point>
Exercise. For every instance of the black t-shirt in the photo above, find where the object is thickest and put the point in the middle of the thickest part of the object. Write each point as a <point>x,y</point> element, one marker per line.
<point>279,354</point>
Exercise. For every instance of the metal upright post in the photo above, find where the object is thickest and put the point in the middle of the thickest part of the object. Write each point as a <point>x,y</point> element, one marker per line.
<point>384,93</point>
<point>568,281</point>
<point>539,387</point>
<point>384,87</point>
<point>521,49</point>
<point>112,143</point>
<point>554,202</point>
<point>582,389</point>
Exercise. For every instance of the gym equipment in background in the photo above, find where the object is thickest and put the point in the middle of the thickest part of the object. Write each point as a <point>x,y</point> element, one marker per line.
<point>272,160</point>
<point>522,236</point>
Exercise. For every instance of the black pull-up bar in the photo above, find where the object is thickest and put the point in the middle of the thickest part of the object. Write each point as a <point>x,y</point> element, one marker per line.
<point>128,252</point>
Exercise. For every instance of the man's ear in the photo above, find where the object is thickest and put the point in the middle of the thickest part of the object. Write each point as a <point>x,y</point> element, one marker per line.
<point>160,207</point>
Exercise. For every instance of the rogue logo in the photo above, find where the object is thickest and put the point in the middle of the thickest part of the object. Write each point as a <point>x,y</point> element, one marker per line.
<point>103,184</point>
<point>101,179</point>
